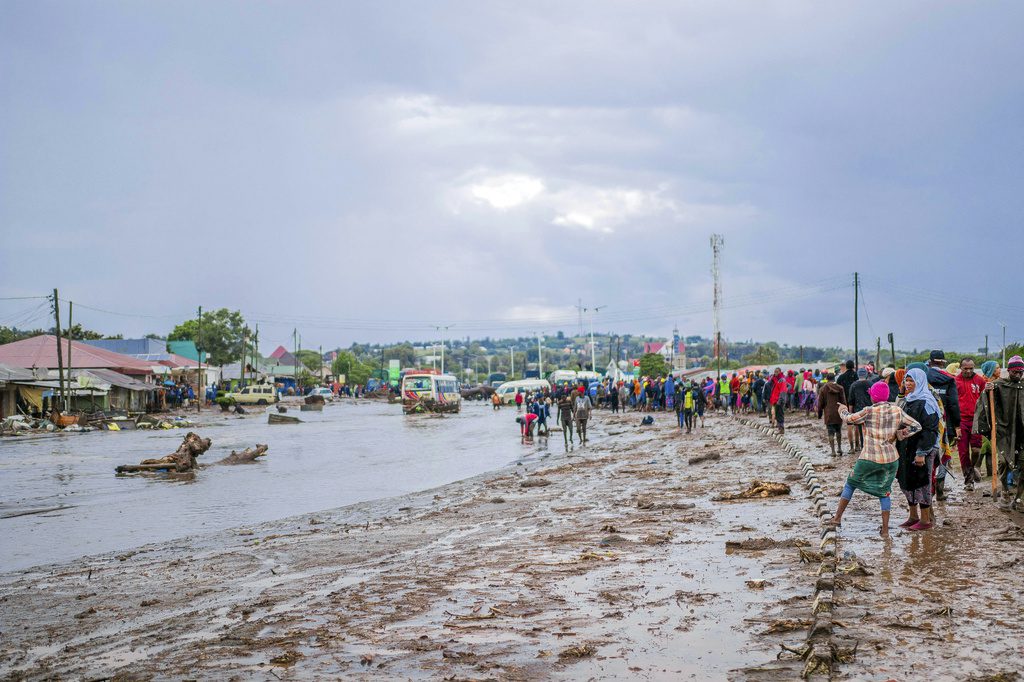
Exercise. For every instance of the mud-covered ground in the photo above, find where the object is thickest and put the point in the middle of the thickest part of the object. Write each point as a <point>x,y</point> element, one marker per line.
<point>611,561</point>
<point>945,601</point>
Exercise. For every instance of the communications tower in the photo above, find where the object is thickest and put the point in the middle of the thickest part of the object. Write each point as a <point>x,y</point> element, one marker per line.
<point>717,242</point>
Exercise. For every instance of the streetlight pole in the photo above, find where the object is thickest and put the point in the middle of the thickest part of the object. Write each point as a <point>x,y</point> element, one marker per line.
<point>1003,325</point>
<point>443,331</point>
<point>512,361</point>
<point>593,348</point>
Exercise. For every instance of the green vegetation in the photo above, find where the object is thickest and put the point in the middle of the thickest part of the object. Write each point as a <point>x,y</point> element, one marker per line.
<point>355,371</point>
<point>222,334</point>
<point>653,365</point>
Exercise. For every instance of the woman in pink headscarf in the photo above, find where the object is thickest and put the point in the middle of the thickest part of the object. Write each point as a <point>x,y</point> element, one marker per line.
<point>876,468</point>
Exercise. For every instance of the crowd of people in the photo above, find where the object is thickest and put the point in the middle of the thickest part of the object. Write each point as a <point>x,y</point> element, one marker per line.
<point>907,424</point>
<point>904,424</point>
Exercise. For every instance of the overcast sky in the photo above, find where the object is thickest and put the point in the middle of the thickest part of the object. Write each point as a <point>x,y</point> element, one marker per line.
<point>365,171</point>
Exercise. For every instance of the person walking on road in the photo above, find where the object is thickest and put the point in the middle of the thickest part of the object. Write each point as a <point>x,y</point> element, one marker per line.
<point>943,384</point>
<point>918,450</point>
<point>830,396</point>
<point>1008,403</point>
<point>858,398</point>
<point>780,389</point>
<point>581,411</point>
<point>519,401</point>
<point>969,388</point>
<point>846,380</point>
<point>565,419</point>
<point>883,423</point>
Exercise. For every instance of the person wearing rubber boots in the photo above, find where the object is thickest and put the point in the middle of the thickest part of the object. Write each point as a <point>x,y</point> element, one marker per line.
<point>1007,402</point>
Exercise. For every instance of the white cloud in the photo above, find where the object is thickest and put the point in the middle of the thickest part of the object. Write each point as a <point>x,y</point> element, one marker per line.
<point>507,191</point>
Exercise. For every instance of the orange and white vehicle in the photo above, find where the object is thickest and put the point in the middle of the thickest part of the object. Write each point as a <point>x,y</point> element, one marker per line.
<point>428,392</point>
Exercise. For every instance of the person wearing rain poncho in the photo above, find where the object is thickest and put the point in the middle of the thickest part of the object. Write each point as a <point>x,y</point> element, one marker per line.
<point>1008,402</point>
<point>918,451</point>
<point>883,423</point>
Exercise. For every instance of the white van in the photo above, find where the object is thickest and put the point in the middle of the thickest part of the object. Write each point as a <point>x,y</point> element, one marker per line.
<point>507,391</point>
<point>562,376</point>
<point>256,394</point>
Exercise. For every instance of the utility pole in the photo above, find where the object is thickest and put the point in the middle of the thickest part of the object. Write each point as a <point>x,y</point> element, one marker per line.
<point>255,351</point>
<point>199,355</point>
<point>878,352</point>
<point>71,335</point>
<point>717,242</point>
<point>60,351</point>
<point>986,346</point>
<point>892,349</point>
<point>512,359</point>
<point>801,354</point>
<point>443,331</point>
<point>856,320</point>
<point>1003,324</point>
<point>295,347</point>
<point>540,357</point>
<point>321,377</point>
<point>593,353</point>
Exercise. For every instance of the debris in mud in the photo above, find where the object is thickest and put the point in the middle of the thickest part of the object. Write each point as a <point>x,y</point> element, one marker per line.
<point>786,625</point>
<point>757,489</point>
<point>535,483</point>
<point>366,659</point>
<point>282,419</point>
<point>247,456</point>
<point>497,500</point>
<point>578,651</point>
<point>85,614</point>
<point>944,611</point>
<point>608,528</point>
<point>809,556</point>
<point>649,503</point>
<point>149,602</point>
<point>658,538</point>
<point>700,459</point>
<point>755,544</point>
<point>759,584</point>
<point>613,539</point>
<point>856,567</point>
<point>181,460</point>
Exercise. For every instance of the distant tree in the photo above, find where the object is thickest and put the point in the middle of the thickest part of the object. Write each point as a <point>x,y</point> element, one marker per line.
<point>347,363</point>
<point>653,365</point>
<point>764,355</point>
<point>309,358</point>
<point>151,335</point>
<point>77,333</point>
<point>403,352</point>
<point>222,334</point>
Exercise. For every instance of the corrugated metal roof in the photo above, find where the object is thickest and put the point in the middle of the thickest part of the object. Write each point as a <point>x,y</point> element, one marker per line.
<point>41,351</point>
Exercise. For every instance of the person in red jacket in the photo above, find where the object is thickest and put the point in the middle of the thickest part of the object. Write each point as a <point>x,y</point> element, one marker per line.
<point>969,387</point>
<point>519,401</point>
<point>780,390</point>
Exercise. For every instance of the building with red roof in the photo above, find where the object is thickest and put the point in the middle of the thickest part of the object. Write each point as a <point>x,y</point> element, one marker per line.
<point>41,352</point>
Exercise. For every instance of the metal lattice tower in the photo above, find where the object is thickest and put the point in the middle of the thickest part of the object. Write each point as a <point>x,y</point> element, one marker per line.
<point>717,242</point>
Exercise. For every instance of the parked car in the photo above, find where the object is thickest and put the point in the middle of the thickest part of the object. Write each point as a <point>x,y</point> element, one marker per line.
<point>257,394</point>
<point>326,393</point>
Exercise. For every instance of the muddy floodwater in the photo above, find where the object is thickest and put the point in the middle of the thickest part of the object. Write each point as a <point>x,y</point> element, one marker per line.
<point>351,452</point>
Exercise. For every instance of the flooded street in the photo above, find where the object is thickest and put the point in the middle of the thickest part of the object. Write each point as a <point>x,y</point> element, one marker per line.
<point>351,452</point>
<point>647,554</point>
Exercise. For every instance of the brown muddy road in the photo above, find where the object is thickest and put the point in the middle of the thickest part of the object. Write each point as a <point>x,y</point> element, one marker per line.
<point>945,601</point>
<point>610,562</point>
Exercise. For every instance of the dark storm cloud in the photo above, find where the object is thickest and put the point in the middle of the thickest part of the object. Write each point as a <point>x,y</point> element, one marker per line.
<point>488,164</point>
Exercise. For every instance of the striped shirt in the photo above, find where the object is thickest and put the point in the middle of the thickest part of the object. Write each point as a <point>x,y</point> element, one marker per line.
<point>881,421</point>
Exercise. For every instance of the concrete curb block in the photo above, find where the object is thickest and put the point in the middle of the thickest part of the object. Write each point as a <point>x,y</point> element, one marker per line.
<point>821,659</point>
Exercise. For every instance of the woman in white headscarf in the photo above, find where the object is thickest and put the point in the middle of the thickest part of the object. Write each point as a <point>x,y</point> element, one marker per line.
<point>919,450</point>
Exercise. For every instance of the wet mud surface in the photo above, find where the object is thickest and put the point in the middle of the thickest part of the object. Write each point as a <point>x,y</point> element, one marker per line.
<point>616,560</point>
<point>611,561</point>
<point>944,601</point>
